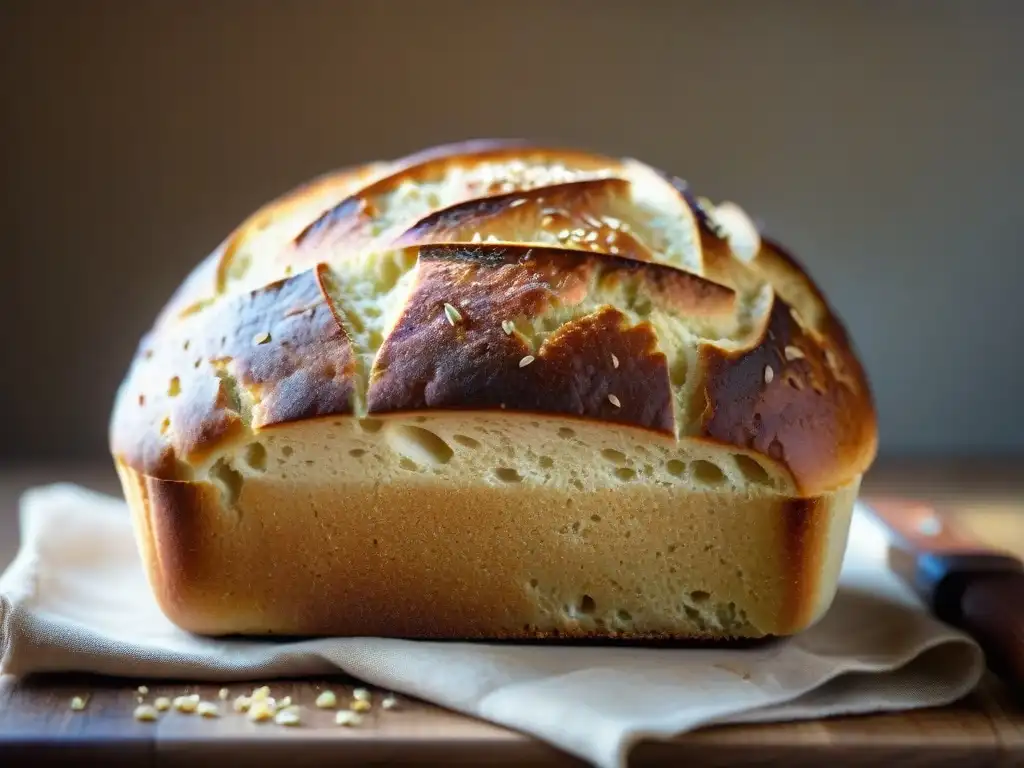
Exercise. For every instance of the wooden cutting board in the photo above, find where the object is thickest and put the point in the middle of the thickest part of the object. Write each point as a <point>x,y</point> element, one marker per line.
<point>37,724</point>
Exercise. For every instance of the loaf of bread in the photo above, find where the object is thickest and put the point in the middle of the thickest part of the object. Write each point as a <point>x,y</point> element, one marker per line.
<point>495,390</point>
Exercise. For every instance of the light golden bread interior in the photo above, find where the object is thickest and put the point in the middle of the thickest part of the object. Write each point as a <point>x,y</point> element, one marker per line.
<point>495,390</point>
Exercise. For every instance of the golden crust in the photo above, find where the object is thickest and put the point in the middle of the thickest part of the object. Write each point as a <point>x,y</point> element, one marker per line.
<point>740,353</point>
<point>270,356</point>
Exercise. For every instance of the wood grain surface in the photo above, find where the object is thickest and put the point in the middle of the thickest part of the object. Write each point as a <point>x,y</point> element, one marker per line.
<point>37,724</point>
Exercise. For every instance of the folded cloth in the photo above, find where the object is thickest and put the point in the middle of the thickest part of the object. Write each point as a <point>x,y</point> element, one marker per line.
<point>76,599</point>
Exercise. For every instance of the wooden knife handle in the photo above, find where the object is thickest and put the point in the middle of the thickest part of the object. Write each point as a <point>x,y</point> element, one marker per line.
<point>992,611</point>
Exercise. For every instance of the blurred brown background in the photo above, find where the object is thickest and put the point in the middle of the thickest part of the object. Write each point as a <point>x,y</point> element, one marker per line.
<point>881,140</point>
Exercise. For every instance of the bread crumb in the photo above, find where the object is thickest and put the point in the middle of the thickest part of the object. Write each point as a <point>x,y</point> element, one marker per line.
<point>261,338</point>
<point>614,401</point>
<point>208,709</point>
<point>389,702</point>
<point>288,716</point>
<point>285,702</point>
<point>508,326</point>
<point>347,718</point>
<point>526,361</point>
<point>146,713</point>
<point>615,362</point>
<point>794,353</point>
<point>260,712</point>
<point>769,374</point>
<point>261,694</point>
<point>360,705</point>
<point>78,703</point>
<point>327,700</point>
<point>242,704</point>
<point>223,694</point>
<point>162,704</point>
<point>187,704</point>
<point>362,694</point>
<point>142,689</point>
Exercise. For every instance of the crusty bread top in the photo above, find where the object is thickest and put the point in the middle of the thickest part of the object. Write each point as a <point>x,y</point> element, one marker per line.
<point>498,275</point>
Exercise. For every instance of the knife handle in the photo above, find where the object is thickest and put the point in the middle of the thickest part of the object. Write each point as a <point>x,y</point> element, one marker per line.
<point>991,612</point>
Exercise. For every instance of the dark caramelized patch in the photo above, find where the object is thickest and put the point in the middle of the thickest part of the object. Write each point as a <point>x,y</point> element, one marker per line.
<point>191,389</point>
<point>782,400</point>
<point>429,361</point>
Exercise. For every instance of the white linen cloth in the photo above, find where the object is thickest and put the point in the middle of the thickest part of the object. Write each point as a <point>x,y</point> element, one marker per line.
<point>76,599</point>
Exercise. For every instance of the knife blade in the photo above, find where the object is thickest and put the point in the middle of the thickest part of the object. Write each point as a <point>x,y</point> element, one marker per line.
<point>965,582</point>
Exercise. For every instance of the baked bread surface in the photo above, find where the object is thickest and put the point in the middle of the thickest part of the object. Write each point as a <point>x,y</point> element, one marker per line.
<point>495,390</point>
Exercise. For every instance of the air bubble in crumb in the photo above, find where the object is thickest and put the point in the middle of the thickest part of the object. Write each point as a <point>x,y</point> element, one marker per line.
<point>466,442</point>
<point>256,456</point>
<point>566,433</point>
<point>752,470</point>
<point>370,425</point>
<point>707,473</point>
<point>625,474</point>
<point>507,475</point>
<point>615,457</point>
<point>546,462</point>
<point>420,445</point>
<point>357,453</point>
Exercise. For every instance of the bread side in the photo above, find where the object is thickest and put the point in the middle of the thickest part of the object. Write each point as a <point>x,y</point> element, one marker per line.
<point>500,526</point>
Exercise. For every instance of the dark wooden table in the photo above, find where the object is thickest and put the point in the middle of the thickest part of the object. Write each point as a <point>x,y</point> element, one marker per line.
<point>37,725</point>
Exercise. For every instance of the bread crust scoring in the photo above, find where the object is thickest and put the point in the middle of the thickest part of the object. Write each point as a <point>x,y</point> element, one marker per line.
<point>497,276</point>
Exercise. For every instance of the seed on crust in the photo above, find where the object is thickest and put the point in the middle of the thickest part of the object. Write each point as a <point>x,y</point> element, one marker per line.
<point>452,314</point>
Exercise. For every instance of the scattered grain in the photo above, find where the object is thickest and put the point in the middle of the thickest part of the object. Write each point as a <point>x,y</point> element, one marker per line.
<point>146,713</point>
<point>186,704</point>
<point>348,718</point>
<point>260,712</point>
<point>327,700</point>
<point>360,705</point>
<point>288,717</point>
